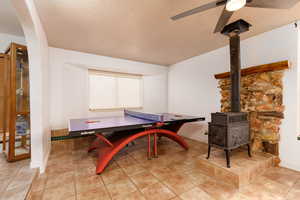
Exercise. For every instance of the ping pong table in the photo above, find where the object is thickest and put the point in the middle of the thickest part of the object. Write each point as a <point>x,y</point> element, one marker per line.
<point>127,128</point>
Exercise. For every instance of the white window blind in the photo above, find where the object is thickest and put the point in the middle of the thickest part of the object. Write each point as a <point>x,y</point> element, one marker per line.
<point>109,90</point>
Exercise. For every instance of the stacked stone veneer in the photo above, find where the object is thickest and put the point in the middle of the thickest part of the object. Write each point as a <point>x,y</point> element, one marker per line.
<point>261,97</point>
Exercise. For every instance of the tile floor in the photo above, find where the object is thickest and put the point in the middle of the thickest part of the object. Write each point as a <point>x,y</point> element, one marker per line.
<point>175,175</point>
<point>15,179</point>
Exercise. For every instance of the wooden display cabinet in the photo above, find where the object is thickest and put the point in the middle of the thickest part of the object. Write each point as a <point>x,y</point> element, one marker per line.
<point>16,113</point>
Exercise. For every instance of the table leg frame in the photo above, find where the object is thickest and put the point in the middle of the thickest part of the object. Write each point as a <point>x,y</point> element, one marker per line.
<point>106,152</point>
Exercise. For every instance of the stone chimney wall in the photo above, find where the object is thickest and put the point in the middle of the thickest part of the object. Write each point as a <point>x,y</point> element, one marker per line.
<point>261,97</point>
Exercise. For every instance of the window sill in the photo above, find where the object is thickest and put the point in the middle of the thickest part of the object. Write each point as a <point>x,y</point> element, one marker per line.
<point>114,109</point>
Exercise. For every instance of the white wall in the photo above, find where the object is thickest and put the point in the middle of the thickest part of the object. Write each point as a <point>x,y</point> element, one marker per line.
<point>69,84</point>
<point>193,89</point>
<point>6,39</point>
<point>39,87</point>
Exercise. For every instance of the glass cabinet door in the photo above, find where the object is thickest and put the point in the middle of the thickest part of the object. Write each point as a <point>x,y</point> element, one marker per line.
<point>22,140</point>
<point>18,130</point>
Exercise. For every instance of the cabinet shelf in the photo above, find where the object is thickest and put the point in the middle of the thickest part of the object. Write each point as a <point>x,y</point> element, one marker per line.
<point>23,113</point>
<point>22,95</point>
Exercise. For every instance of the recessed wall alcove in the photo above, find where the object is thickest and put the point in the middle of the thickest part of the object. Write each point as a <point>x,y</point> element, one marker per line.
<point>262,98</point>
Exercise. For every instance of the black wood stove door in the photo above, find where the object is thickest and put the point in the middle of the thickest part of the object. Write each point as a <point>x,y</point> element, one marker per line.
<point>217,135</point>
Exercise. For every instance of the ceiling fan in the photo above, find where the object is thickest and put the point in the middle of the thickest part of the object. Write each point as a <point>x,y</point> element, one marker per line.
<point>230,6</point>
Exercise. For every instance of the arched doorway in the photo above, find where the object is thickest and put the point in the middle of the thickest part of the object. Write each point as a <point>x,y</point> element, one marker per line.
<point>38,61</point>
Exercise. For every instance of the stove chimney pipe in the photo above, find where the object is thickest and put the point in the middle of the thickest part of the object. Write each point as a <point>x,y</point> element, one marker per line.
<point>234,30</point>
<point>235,72</point>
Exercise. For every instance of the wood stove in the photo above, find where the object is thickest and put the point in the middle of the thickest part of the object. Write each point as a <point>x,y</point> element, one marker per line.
<point>230,130</point>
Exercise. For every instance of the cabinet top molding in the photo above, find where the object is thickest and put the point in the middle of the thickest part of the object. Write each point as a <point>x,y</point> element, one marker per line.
<point>277,66</point>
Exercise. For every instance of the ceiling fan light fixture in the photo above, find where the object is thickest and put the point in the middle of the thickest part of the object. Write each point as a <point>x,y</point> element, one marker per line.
<point>233,5</point>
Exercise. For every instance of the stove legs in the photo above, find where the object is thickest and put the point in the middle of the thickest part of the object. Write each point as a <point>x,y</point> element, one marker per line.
<point>227,152</point>
<point>208,153</point>
<point>249,150</point>
<point>227,157</point>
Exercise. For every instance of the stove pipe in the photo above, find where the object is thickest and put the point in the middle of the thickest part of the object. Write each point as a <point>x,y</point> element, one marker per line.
<point>233,31</point>
<point>235,72</point>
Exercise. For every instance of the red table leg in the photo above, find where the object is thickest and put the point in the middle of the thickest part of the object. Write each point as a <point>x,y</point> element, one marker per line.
<point>149,147</point>
<point>95,143</point>
<point>155,145</point>
<point>102,138</point>
<point>107,149</point>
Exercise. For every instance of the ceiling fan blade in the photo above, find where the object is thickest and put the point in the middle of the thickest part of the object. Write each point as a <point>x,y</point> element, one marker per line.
<point>223,20</point>
<point>277,4</point>
<point>199,9</point>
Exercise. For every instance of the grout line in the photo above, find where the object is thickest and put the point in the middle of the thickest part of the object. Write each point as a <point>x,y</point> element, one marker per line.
<point>30,185</point>
<point>74,184</point>
<point>44,188</point>
<point>130,179</point>
<point>106,188</point>
<point>138,189</point>
<point>105,185</point>
<point>12,177</point>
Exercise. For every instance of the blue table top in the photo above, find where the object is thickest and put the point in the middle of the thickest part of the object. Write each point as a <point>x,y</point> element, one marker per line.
<point>97,123</point>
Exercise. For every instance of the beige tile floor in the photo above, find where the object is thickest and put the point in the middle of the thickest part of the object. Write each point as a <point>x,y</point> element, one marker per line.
<point>15,179</point>
<point>175,175</point>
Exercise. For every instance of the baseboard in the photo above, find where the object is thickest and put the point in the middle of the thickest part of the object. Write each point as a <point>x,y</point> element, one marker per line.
<point>290,166</point>
<point>45,161</point>
<point>196,137</point>
<point>35,164</point>
<point>41,165</point>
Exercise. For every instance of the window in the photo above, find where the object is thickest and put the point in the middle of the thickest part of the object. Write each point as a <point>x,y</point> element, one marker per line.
<point>108,90</point>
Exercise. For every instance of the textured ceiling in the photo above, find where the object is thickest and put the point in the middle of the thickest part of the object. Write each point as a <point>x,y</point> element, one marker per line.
<point>141,30</point>
<point>8,20</point>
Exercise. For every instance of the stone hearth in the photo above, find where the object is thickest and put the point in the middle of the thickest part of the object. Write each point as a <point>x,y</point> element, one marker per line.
<point>243,171</point>
<point>261,97</point>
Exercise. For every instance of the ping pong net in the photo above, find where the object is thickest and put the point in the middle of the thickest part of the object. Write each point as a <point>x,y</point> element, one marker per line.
<point>145,116</point>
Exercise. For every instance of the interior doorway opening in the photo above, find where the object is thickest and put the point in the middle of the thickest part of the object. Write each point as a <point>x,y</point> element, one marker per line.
<point>14,90</point>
